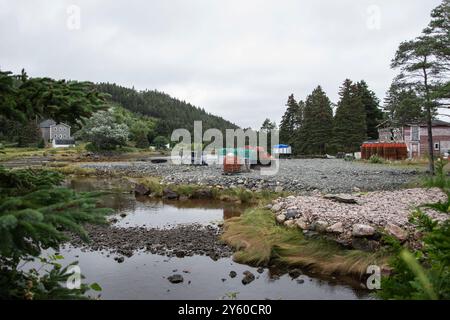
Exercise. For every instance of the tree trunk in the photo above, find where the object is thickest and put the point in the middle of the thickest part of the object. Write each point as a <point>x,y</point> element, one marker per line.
<point>430,141</point>
<point>429,121</point>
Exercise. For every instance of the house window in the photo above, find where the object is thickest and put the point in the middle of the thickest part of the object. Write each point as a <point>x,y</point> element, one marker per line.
<point>436,146</point>
<point>415,133</point>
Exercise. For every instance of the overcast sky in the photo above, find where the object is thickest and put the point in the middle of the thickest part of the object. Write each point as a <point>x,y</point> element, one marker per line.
<point>237,59</point>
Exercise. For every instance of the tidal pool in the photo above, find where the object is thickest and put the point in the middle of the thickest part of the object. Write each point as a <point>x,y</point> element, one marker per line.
<point>144,275</point>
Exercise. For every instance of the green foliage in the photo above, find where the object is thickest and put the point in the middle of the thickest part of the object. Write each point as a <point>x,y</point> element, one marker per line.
<point>268,125</point>
<point>403,106</point>
<point>372,109</point>
<point>424,67</point>
<point>23,98</point>
<point>350,128</point>
<point>138,124</point>
<point>30,135</point>
<point>142,141</point>
<point>291,121</point>
<point>103,131</point>
<point>170,113</point>
<point>424,273</point>
<point>41,143</point>
<point>34,213</point>
<point>440,179</point>
<point>317,127</point>
<point>160,142</point>
<point>376,159</point>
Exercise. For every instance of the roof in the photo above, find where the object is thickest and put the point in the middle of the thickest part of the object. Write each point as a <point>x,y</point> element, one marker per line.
<point>434,123</point>
<point>47,123</point>
<point>60,124</point>
<point>281,146</point>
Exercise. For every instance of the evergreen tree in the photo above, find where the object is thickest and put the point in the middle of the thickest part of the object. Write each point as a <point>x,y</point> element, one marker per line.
<point>291,121</point>
<point>34,210</point>
<point>372,108</point>
<point>268,125</point>
<point>350,120</point>
<point>30,134</point>
<point>403,106</point>
<point>317,128</point>
<point>424,65</point>
<point>142,140</point>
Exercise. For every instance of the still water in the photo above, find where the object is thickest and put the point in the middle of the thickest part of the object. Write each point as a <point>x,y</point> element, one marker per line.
<point>144,275</point>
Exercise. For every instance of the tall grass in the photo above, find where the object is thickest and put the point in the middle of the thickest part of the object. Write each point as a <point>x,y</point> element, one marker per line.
<point>260,241</point>
<point>440,179</point>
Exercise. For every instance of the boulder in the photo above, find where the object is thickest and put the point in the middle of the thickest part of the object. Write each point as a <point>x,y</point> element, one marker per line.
<point>319,226</point>
<point>202,194</point>
<point>302,223</point>
<point>338,227</point>
<point>233,274</point>
<point>248,277</point>
<point>295,273</point>
<point>344,198</point>
<point>141,190</point>
<point>278,189</point>
<point>276,207</point>
<point>362,230</point>
<point>291,213</point>
<point>280,218</point>
<point>364,244</point>
<point>169,194</point>
<point>176,278</point>
<point>289,223</point>
<point>396,231</point>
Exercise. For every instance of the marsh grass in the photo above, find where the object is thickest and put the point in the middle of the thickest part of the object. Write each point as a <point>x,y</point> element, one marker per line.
<point>259,240</point>
<point>240,195</point>
<point>74,170</point>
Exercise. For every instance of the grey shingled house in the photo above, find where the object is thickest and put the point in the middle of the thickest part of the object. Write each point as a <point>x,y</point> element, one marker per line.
<point>52,131</point>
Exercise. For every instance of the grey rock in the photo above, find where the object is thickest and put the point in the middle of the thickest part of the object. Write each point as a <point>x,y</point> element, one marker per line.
<point>362,230</point>
<point>396,231</point>
<point>141,190</point>
<point>291,213</point>
<point>280,218</point>
<point>302,224</point>
<point>276,207</point>
<point>169,194</point>
<point>248,277</point>
<point>119,259</point>
<point>295,273</point>
<point>176,278</point>
<point>344,198</point>
<point>336,228</point>
<point>319,226</point>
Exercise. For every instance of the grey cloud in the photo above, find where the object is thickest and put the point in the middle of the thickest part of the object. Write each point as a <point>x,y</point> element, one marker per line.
<point>237,59</point>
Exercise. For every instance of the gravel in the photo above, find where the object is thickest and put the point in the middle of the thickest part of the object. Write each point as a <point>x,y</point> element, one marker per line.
<point>185,240</point>
<point>388,210</point>
<point>296,175</point>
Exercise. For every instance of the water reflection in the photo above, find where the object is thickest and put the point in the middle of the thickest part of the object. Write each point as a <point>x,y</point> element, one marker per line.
<point>144,275</point>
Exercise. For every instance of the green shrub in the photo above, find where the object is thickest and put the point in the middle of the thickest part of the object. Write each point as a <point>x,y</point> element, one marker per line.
<point>376,159</point>
<point>34,213</point>
<point>440,179</point>
<point>41,144</point>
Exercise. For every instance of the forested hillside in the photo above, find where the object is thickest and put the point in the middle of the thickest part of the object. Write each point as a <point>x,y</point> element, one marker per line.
<point>170,112</point>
